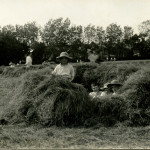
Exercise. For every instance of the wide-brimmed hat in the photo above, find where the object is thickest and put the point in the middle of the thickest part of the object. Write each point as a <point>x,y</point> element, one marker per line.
<point>64,54</point>
<point>105,87</point>
<point>114,82</point>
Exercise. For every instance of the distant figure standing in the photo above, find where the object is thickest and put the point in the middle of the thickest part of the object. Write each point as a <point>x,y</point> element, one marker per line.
<point>29,60</point>
<point>64,69</point>
<point>12,65</point>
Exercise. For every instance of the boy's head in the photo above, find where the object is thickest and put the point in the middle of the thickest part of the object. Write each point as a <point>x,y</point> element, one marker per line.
<point>95,87</point>
<point>115,85</point>
<point>64,58</point>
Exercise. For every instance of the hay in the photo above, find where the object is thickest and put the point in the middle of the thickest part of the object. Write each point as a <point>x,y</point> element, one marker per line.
<point>110,110</point>
<point>48,100</point>
<point>80,70</point>
<point>137,92</point>
<point>100,74</point>
<point>105,73</point>
<point>2,69</point>
<point>38,97</point>
<point>125,70</point>
<point>20,70</point>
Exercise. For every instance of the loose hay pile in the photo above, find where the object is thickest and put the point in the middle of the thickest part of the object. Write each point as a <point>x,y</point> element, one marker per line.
<point>48,100</point>
<point>20,70</point>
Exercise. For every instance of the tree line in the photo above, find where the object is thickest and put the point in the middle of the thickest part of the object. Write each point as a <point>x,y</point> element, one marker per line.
<point>59,35</point>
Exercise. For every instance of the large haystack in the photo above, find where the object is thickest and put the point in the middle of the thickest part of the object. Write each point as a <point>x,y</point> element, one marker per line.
<point>137,92</point>
<point>48,100</point>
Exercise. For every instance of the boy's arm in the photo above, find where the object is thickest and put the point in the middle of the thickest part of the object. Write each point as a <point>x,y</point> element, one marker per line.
<point>27,60</point>
<point>55,71</point>
<point>72,73</point>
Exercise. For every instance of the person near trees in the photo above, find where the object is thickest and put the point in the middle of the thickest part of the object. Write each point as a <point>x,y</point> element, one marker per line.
<point>64,69</point>
<point>12,65</point>
<point>29,59</point>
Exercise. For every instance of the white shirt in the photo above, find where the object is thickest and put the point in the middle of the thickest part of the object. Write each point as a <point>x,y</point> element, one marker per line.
<point>103,93</point>
<point>65,71</point>
<point>94,94</point>
<point>28,61</point>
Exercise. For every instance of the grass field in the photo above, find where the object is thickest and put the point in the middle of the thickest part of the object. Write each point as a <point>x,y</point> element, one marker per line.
<point>35,137</point>
<point>22,136</point>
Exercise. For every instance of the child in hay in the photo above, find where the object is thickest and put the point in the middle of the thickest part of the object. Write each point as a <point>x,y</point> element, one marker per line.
<point>96,91</point>
<point>115,86</point>
<point>107,90</point>
<point>64,69</point>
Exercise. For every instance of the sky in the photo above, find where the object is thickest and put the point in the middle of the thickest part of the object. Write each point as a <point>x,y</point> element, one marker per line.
<point>80,12</point>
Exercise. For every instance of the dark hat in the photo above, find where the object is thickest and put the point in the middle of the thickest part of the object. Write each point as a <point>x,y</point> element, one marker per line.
<point>114,82</point>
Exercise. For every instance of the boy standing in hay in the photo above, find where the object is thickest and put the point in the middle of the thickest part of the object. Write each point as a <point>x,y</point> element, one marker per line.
<point>64,69</point>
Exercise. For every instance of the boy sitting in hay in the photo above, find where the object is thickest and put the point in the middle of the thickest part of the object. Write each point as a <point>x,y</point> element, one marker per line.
<point>115,86</point>
<point>96,92</point>
<point>106,90</point>
<point>64,69</point>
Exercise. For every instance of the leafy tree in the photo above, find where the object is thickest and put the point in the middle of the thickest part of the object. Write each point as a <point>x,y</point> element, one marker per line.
<point>100,40</point>
<point>75,33</point>
<point>27,33</point>
<point>144,29</point>
<point>113,37</point>
<point>89,34</point>
<point>128,32</point>
<point>134,40</point>
<point>56,35</point>
<point>38,53</point>
<point>8,30</point>
<point>127,43</point>
<point>143,47</point>
<point>11,50</point>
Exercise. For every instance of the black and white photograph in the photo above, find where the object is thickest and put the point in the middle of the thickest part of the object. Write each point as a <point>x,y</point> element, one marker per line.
<point>75,74</point>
